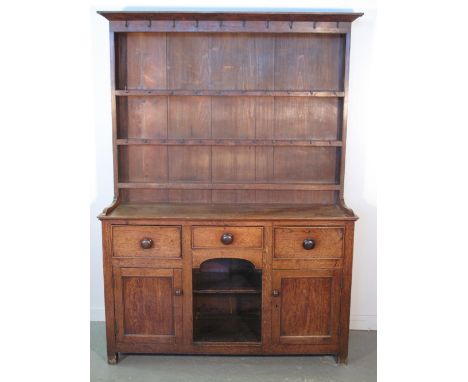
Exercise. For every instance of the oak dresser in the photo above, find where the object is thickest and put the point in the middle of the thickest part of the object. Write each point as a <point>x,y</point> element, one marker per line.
<point>228,233</point>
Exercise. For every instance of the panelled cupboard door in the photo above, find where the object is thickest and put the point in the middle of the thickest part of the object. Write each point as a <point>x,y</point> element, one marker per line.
<point>306,306</point>
<point>148,305</point>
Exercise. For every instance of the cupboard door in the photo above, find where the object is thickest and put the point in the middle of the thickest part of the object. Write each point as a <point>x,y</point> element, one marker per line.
<point>306,306</point>
<point>148,305</point>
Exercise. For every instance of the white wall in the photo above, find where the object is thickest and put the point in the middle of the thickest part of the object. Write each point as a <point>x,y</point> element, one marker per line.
<point>360,181</point>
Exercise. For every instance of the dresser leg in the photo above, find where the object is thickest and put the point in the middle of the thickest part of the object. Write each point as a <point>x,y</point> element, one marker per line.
<point>112,358</point>
<point>342,358</point>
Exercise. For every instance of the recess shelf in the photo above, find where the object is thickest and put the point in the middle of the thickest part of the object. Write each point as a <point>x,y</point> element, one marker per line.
<point>228,291</point>
<point>233,186</point>
<point>227,283</point>
<point>227,328</point>
<point>229,142</point>
<point>259,93</point>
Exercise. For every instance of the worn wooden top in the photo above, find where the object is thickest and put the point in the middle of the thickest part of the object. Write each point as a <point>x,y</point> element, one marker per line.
<point>229,212</point>
<point>272,16</point>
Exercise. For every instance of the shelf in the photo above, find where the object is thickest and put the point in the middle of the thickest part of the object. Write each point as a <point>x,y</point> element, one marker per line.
<point>233,186</point>
<point>227,283</point>
<point>229,142</point>
<point>227,328</point>
<point>231,16</point>
<point>253,93</point>
<point>228,291</point>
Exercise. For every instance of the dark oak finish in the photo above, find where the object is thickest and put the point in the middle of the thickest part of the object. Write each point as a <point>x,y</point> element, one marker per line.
<point>219,16</point>
<point>148,309</point>
<point>306,306</point>
<point>228,232</point>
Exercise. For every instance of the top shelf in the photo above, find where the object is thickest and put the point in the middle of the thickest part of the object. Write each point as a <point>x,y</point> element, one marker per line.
<point>253,93</point>
<point>273,16</point>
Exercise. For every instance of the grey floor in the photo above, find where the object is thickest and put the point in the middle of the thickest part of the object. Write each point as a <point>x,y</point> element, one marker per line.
<point>362,365</point>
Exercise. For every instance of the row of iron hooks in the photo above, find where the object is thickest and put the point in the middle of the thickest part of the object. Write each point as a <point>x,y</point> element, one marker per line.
<point>267,24</point>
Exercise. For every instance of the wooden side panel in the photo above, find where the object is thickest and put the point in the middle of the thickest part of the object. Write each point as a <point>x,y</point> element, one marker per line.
<point>305,62</point>
<point>346,299</point>
<point>307,308</point>
<point>146,61</point>
<point>109,292</point>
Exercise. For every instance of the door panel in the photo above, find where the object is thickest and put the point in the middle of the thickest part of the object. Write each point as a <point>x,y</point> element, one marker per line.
<point>147,309</point>
<point>306,311</point>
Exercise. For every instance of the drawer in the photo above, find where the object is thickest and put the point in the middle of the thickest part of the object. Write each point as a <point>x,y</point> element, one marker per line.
<point>308,242</point>
<point>146,241</point>
<point>227,237</point>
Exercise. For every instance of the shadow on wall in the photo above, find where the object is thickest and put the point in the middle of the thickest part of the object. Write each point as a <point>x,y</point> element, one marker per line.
<point>360,180</point>
<point>103,176</point>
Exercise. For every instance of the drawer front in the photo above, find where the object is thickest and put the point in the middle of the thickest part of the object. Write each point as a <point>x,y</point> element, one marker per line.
<point>227,237</point>
<point>146,241</point>
<point>308,242</point>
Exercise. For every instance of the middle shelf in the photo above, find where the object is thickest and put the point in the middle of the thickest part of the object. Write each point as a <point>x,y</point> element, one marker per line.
<point>227,283</point>
<point>233,93</point>
<point>229,142</point>
<point>231,186</point>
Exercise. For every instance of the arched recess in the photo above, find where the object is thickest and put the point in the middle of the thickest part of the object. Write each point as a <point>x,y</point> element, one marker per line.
<point>227,265</point>
<point>228,275</point>
<point>227,295</point>
<point>253,257</point>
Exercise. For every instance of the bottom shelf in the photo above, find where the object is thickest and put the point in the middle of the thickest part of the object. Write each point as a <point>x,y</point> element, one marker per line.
<point>227,328</point>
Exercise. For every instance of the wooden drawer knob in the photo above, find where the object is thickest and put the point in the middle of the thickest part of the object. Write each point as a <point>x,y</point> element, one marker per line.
<point>178,292</point>
<point>308,244</point>
<point>146,243</point>
<point>227,238</point>
<point>275,293</point>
